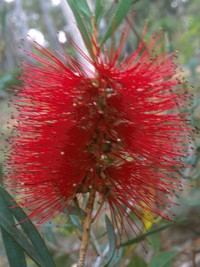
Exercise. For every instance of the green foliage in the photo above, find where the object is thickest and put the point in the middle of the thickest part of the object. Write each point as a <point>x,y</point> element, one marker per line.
<point>151,232</point>
<point>164,259</point>
<point>14,251</point>
<point>155,242</point>
<point>98,10</point>
<point>120,13</point>
<point>117,257</point>
<point>7,80</point>
<point>137,261</point>
<point>112,241</point>
<point>18,241</point>
<point>83,18</point>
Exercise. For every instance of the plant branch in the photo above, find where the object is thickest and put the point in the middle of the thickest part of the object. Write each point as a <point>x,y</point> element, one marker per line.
<point>86,228</point>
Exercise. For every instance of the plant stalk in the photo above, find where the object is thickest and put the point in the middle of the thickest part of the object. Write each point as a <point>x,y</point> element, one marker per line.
<point>86,228</point>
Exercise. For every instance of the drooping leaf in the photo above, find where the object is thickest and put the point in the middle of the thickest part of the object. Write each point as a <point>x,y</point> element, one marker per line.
<point>111,240</point>
<point>21,240</point>
<point>15,253</point>
<point>34,246</point>
<point>116,257</point>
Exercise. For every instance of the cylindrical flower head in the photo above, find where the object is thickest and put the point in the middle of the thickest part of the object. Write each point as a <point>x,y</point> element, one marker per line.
<point>121,129</point>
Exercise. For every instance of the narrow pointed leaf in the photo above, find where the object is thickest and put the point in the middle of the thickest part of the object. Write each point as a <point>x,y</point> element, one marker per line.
<point>14,252</point>
<point>21,240</point>
<point>122,9</point>
<point>98,9</point>
<point>116,257</point>
<point>28,227</point>
<point>142,237</point>
<point>83,7</point>
<point>111,240</point>
<point>34,237</point>
<point>79,11</point>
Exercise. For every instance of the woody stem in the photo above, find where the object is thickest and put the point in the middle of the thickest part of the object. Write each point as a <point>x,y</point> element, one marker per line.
<point>86,228</point>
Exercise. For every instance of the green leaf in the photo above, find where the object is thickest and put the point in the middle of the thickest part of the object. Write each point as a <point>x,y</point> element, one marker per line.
<point>117,257</point>
<point>137,261</point>
<point>155,242</point>
<point>164,259</point>
<point>83,7</point>
<point>98,9</point>
<point>21,240</point>
<point>37,249</point>
<point>73,210</point>
<point>142,237</point>
<point>73,218</point>
<point>111,240</point>
<point>122,9</point>
<point>83,16</point>
<point>5,81</point>
<point>76,222</point>
<point>15,254</point>
<point>35,238</point>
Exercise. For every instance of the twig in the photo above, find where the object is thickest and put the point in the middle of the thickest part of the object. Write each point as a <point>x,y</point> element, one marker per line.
<point>86,228</point>
<point>99,209</point>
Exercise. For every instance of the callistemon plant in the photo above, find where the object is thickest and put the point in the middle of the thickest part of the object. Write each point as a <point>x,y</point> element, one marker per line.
<point>113,131</point>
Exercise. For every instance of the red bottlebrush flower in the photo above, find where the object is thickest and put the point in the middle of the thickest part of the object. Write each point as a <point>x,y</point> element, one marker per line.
<point>119,130</point>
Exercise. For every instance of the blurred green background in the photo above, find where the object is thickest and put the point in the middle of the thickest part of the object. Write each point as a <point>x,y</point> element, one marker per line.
<point>47,22</point>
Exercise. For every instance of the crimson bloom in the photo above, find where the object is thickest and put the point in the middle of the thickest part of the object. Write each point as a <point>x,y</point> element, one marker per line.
<point>120,130</point>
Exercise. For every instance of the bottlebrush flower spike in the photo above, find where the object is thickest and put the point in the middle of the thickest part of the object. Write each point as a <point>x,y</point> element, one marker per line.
<point>120,130</point>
